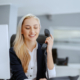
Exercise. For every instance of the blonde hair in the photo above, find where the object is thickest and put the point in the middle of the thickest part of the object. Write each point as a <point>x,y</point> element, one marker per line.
<point>19,45</point>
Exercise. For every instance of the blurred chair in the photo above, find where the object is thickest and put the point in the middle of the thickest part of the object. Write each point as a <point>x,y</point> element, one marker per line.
<point>12,40</point>
<point>62,61</point>
<point>41,40</point>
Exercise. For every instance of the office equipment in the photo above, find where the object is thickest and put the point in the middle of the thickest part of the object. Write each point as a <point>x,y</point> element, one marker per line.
<point>4,53</point>
<point>62,61</point>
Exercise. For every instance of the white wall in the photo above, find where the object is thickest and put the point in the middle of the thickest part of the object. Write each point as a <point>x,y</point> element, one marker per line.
<point>4,53</point>
<point>50,7</point>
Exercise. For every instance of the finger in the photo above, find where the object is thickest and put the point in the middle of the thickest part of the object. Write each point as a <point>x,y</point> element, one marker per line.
<point>46,41</point>
<point>40,79</point>
<point>43,79</point>
<point>51,36</point>
<point>48,38</point>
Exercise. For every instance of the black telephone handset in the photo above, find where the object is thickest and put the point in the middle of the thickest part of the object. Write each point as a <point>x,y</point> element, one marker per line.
<point>47,33</point>
<point>44,47</point>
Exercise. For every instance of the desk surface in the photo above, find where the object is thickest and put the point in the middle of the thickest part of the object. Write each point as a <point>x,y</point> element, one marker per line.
<point>70,65</point>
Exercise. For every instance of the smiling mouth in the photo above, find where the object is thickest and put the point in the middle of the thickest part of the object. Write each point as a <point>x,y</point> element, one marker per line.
<point>32,35</point>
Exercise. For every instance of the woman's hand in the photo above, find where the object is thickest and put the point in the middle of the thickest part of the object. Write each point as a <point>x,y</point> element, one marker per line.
<point>49,41</point>
<point>43,79</point>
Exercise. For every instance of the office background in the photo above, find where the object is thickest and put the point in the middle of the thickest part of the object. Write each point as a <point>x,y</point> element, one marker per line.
<point>52,13</point>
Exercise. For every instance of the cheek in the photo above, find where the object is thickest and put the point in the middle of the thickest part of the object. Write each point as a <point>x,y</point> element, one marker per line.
<point>38,31</point>
<point>25,32</point>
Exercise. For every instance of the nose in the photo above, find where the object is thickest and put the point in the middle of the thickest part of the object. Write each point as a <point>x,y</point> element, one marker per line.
<point>32,30</point>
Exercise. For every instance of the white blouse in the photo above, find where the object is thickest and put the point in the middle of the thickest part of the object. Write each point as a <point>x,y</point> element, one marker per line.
<point>32,68</point>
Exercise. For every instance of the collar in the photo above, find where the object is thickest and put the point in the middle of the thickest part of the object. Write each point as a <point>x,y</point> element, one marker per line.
<point>35,47</point>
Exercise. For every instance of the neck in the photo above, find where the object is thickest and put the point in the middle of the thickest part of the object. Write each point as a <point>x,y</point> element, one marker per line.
<point>30,45</point>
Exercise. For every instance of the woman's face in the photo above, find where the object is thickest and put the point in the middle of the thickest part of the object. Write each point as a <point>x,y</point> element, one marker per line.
<point>30,29</point>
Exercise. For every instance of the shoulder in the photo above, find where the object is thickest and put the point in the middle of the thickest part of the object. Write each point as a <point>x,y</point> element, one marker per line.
<point>13,55</point>
<point>11,51</point>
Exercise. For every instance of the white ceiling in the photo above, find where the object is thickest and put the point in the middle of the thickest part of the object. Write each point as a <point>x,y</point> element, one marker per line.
<point>40,7</point>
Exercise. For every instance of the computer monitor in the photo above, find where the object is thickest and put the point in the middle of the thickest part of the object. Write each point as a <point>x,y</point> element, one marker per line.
<point>4,53</point>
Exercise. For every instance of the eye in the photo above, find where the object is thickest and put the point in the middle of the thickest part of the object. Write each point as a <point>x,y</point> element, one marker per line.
<point>27,28</point>
<point>35,27</point>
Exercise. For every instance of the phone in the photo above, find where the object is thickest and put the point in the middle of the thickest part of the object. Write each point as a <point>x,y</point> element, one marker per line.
<point>47,33</point>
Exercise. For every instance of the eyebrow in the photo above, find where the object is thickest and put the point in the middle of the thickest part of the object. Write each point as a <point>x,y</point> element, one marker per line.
<point>27,25</point>
<point>34,25</point>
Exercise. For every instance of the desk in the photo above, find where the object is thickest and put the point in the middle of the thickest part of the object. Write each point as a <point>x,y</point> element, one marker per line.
<point>70,70</point>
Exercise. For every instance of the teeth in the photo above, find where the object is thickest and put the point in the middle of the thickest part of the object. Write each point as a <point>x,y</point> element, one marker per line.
<point>32,35</point>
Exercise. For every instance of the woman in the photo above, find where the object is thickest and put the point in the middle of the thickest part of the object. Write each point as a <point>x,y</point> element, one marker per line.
<point>26,56</point>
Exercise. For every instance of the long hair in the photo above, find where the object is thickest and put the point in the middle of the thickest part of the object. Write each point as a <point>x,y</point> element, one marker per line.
<point>19,45</point>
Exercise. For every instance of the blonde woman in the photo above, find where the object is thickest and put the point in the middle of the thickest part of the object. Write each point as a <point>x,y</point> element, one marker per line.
<point>26,56</point>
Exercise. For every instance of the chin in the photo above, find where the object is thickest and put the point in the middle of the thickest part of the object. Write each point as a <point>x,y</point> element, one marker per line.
<point>32,39</point>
